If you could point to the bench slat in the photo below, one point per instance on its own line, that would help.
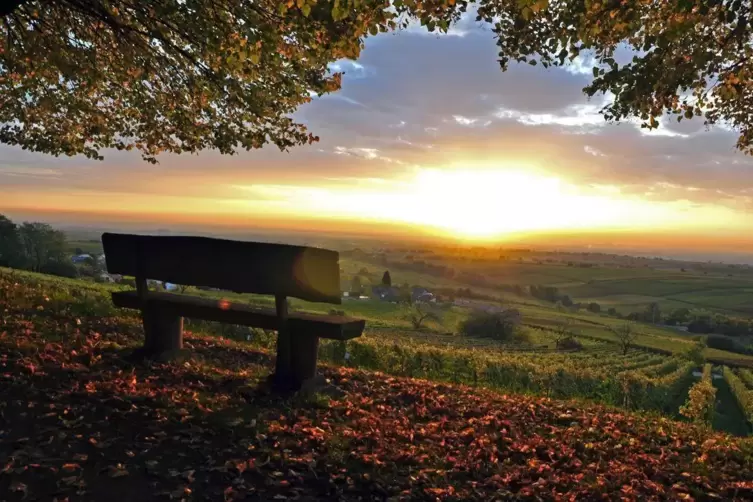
(209, 309)
(308, 273)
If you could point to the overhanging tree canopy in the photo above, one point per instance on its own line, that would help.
(80, 76)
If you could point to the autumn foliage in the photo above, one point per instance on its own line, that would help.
(82, 422)
(85, 76)
(701, 399)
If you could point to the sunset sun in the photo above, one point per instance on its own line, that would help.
(479, 203)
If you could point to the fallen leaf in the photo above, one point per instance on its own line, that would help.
(117, 471)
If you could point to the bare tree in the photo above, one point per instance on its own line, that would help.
(563, 331)
(626, 336)
(420, 312)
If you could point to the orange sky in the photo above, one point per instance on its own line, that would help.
(483, 203)
(411, 146)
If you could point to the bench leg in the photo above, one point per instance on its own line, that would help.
(302, 356)
(163, 332)
(303, 359)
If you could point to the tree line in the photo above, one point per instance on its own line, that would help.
(34, 246)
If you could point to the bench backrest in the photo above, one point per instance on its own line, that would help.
(307, 273)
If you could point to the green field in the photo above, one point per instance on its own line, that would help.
(86, 245)
(625, 283)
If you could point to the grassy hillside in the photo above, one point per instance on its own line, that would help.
(647, 378)
(627, 285)
(82, 422)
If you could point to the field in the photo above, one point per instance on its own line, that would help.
(653, 376)
(82, 421)
(622, 282)
(625, 283)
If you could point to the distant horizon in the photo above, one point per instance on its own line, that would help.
(636, 243)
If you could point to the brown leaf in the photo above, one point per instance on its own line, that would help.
(117, 471)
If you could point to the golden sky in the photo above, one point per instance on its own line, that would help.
(427, 136)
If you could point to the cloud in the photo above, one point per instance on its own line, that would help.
(351, 69)
(593, 151)
(29, 172)
(415, 98)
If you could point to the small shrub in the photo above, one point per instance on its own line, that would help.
(722, 342)
(336, 312)
(569, 343)
(497, 325)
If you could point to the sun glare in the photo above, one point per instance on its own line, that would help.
(480, 203)
(468, 201)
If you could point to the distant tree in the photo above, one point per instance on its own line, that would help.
(59, 268)
(41, 244)
(594, 307)
(420, 313)
(678, 316)
(612, 312)
(355, 285)
(567, 301)
(626, 336)
(386, 279)
(10, 245)
(79, 251)
(702, 324)
(653, 313)
(729, 344)
(497, 325)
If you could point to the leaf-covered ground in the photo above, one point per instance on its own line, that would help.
(78, 421)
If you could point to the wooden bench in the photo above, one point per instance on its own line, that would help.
(281, 270)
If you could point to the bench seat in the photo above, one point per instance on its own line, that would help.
(210, 309)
